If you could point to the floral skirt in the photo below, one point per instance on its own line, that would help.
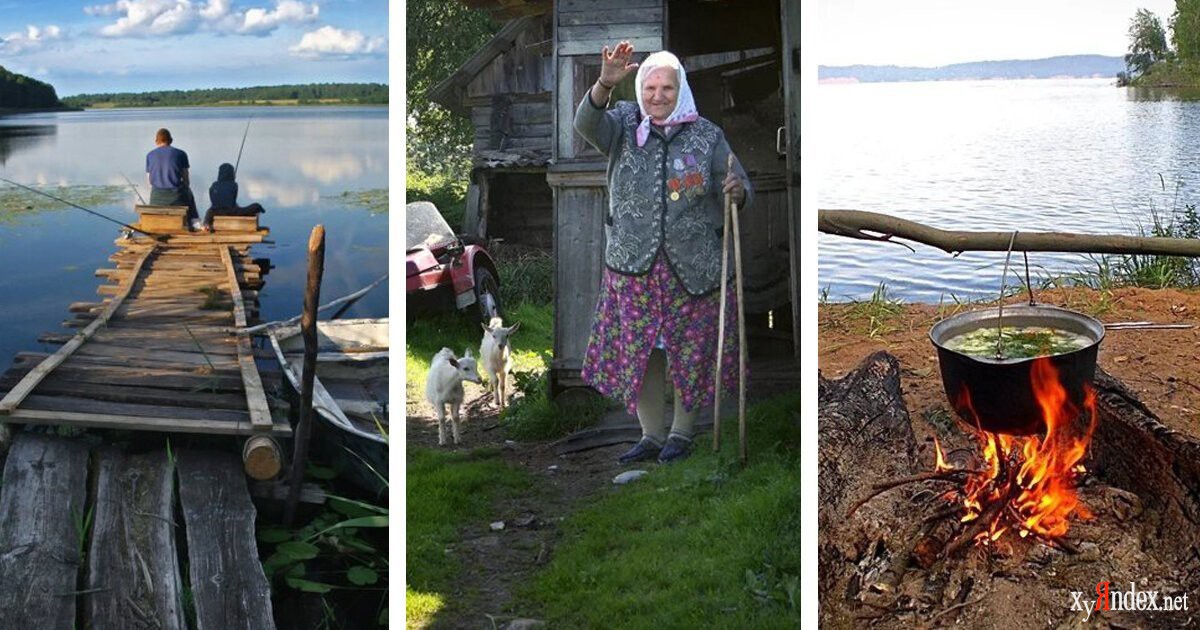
(637, 313)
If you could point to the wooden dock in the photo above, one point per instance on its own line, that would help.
(159, 352)
(90, 534)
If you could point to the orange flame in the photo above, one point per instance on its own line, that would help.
(1045, 499)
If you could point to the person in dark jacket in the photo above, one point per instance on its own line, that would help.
(167, 172)
(656, 320)
(222, 197)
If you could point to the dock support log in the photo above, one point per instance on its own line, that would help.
(308, 330)
(262, 458)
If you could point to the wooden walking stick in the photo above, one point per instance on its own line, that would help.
(741, 322)
(725, 236)
(731, 217)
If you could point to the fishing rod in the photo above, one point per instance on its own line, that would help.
(244, 134)
(75, 205)
(135, 190)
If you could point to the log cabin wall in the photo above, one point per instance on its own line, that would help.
(582, 28)
(510, 96)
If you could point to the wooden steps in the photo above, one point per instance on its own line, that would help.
(133, 576)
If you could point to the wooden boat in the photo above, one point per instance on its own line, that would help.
(350, 393)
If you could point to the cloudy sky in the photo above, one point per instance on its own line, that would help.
(940, 32)
(139, 45)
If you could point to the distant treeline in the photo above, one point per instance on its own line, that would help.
(310, 94)
(1052, 67)
(21, 92)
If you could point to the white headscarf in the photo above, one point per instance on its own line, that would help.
(685, 105)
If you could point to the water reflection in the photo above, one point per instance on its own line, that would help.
(50, 258)
(330, 168)
(16, 137)
(272, 193)
(1163, 94)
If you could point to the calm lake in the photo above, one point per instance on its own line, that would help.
(299, 162)
(1037, 155)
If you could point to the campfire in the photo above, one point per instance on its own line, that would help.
(994, 528)
(1022, 484)
(1027, 483)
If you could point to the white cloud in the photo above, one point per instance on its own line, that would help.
(145, 18)
(328, 41)
(262, 21)
(33, 38)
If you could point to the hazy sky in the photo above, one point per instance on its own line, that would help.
(940, 32)
(139, 45)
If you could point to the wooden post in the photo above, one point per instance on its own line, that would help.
(308, 330)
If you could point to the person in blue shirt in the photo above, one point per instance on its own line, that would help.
(167, 170)
(222, 196)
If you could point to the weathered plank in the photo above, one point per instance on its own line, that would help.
(143, 377)
(571, 6)
(85, 405)
(256, 400)
(610, 16)
(141, 423)
(18, 393)
(593, 46)
(229, 588)
(133, 578)
(41, 505)
(109, 392)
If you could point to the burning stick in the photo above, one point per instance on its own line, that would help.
(933, 475)
(994, 509)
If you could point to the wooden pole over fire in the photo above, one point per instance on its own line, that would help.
(873, 226)
(308, 331)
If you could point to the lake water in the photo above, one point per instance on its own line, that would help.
(1047, 155)
(298, 162)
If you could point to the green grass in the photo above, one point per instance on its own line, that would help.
(701, 543)
(878, 314)
(446, 491)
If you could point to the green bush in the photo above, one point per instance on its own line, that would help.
(447, 191)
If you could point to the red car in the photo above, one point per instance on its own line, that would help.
(444, 271)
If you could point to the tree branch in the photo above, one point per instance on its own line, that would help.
(874, 226)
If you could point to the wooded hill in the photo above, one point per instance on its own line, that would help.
(18, 91)
(1076, 66)
(309, 94)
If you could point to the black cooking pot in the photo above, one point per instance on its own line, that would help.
(1001, 392)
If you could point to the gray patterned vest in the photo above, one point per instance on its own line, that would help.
(667, 194)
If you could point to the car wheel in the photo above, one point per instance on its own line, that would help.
(487, 295)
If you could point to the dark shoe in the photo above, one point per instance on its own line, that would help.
(676, 448)
(645, 449)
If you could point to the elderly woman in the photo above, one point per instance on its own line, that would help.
(658, 309)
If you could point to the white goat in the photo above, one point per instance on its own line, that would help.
(443, 386)
(495, 353)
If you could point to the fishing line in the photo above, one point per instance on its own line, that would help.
(244, 134)
(75, 205)
(135, 190)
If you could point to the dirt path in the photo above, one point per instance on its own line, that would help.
(1159, 366)
(495, 563)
